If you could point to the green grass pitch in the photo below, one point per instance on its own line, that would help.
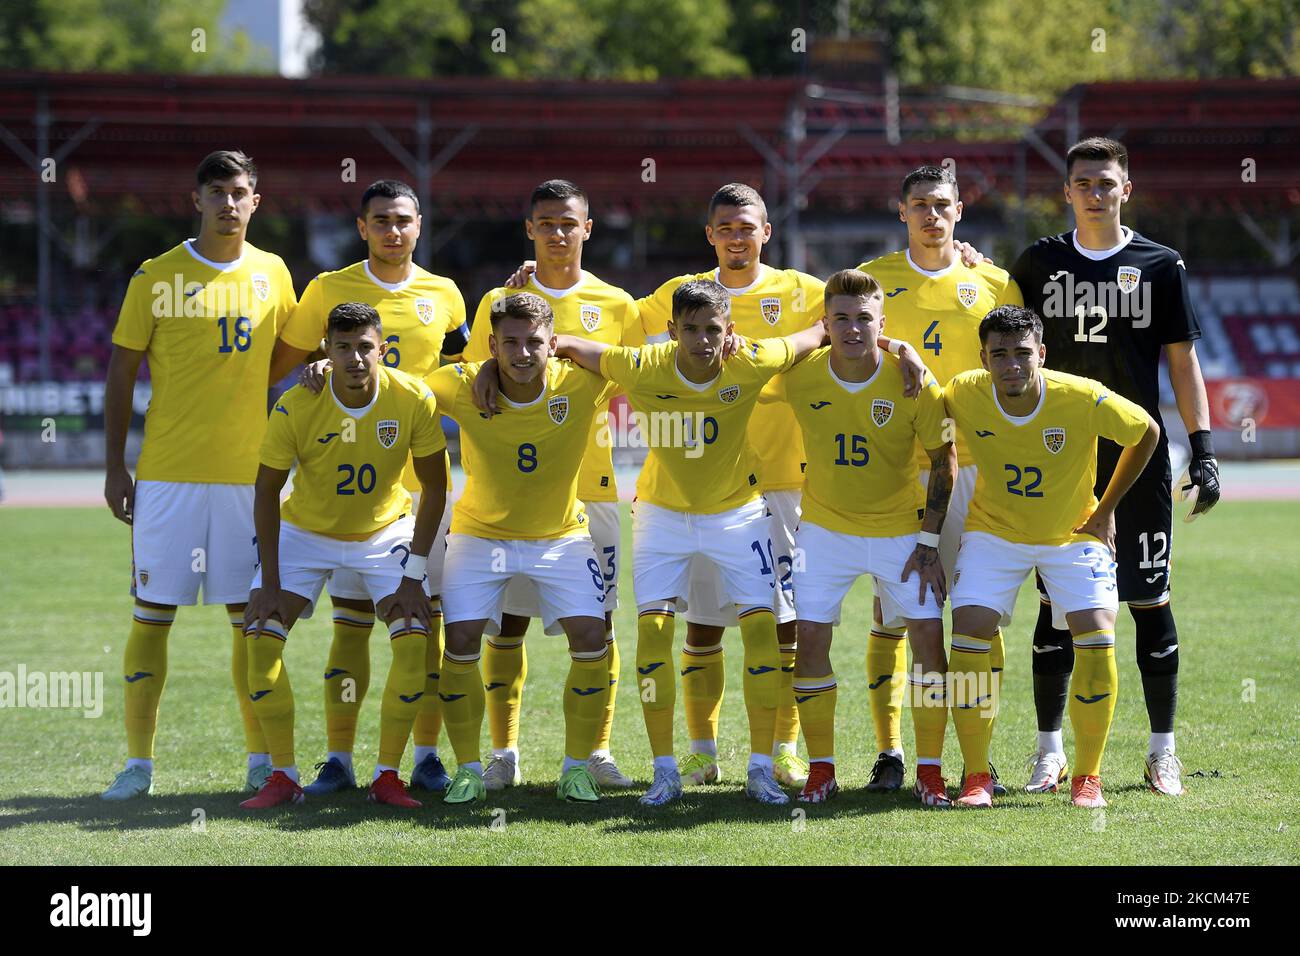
(63, 576)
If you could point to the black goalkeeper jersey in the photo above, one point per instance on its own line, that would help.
(1106, 315)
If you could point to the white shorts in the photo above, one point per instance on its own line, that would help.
(307, 559)
(568, 581)
(186, 534)
(1079, 575)
(348, 584)
(672, 549)
(955, 521)
(706, 586)
(833, 560)
(603, 523)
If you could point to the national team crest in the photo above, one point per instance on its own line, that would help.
(1054, 439)
(967, 293)
(144, 578)
(261, 286)
(882, 410)
(424, 310)
(387, 432)
(729, 394)
(771, 306)
(558, 408)
(1128, 278)
(590, 317)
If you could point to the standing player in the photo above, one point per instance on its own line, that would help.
(348, 509)
(206, 314)
(423, 317)
(935, 302)
(1033, 435)
(520, 516)
(559, 226)
(698, 496)
(1111, 299)
(861, 513)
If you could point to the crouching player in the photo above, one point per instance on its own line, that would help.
(520, 517)
(1032, 433)
(861, 513)
(348, 511)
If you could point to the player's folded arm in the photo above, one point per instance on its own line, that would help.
(580, 351)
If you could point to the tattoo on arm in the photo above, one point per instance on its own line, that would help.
(940, 490)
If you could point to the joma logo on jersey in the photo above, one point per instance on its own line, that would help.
(729, 394)
(386, 430)
(1054, 439)
(967, 293)
(589, 316)
(261, 285)
(424, 310)
(882, 410)
(558, 408)
(771, 307)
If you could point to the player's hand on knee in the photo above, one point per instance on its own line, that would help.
(519, 278)
(312, 376)
(409, 602)
(925, 564)
(970, 256)
(1101, 526)
(486, 388)
(119, 492)
(263, 605)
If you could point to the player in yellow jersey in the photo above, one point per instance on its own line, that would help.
(205, 315)
(863, 512)
(935, 300)
(424, 322)
(520, 517)
(698, 498)
(348, 509)
(1032, 433)
(559, 226)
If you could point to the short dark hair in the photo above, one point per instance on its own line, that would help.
(226, 164)
(697, 294)
(1011, 320)
(556, 189)
(388, 189)
(852, 282)
(1097, 148)
(353, 316)
(737, 194)
(522, 305)
(939, 175)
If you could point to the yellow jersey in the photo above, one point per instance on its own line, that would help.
(859, 438)
(1036, 472)
(207, 330)
(700, 460)
(939, 313)
(350, 460)
(419, 316)
(592, 309)
(521, 465)
(780, 302)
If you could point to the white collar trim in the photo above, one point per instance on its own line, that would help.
(694, 386)
(357, 413)
(1097, 255)
(219, 266)
(1023, 419)
(762, 274)
(855, 387)
(390, 286)
(559, 293)
(928, 273)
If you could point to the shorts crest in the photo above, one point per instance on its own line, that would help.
(1054, 439)
(558, 408)
(729, 394)
(424, 310)
(771, 306)
(144, 578)
(967, 293)
(590, 317)
(386, 430)
(1128, 278)
(261, 285)
(882, 410)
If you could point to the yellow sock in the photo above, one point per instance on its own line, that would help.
(272, 696)
(816, 697)
(997, 657)
(656, 683)
(886, 681)
(762, 676)
(971, 680)
(929, 714)
(586, 692)
(787, 711)
(612, 664)
(460, 688)
(428, 721)
(404, 690)
(144, 666)
(347, 677)
(1093, 689)
(703, 680)
(254, 741)
(505, 665)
